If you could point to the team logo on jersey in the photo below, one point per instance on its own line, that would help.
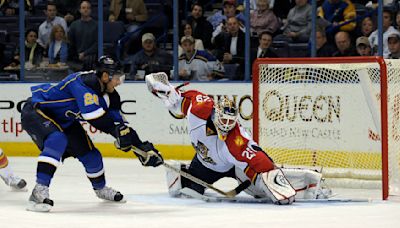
(239, 141)
(202, 150)
(47, 123)
(210, 131)
(74, 115)
(90, 99)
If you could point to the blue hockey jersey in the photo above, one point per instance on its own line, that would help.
(71, 100)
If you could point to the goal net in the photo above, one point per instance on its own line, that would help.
(341, 115)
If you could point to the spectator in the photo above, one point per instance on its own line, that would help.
(150, 59)
(398, 20)
(324, 48)
(387, 29)
(69, 10)
(367, 27)
(343, 44)
(363, 47)
(58, 48)
(187, 31)
(33, 51)
(46, 27)
(264, 48)
(338, 12)
(132, 12)
(298, 26)
(218, 20)
(202, 29)
(394, 46)
(82, 36)
(281, 7)
(263, 19)
(196, 64)
(230, 46)
(11, 7)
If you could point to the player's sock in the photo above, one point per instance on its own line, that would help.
(93, 163)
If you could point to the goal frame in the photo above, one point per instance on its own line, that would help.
(328, 60)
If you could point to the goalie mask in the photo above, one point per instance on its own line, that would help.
(225, 117)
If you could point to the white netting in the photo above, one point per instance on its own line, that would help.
(328, 115)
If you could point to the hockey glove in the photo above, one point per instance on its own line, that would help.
(126, 138)
(153, 157)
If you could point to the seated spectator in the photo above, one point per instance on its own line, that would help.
(264, 48)
(33, 51)
(324, 48)
(394, 46)
(69, 10)
(398, 20)
(343, 44)
(367, 26)
(281, 7)
(263, 19)
(197, 64)
(11, 7)
(187, 31)
(363, 47)
(150, 59)
(298, 24)
(219, 19)
(46, 27)
(339, 13)
(387, 29)
(82, 36)
(230, 46)
(201, 28)
(132, 12)
(58, 48)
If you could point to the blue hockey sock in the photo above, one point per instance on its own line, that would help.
(93, 163)
(49, 158)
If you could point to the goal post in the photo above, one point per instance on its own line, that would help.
(338, 114)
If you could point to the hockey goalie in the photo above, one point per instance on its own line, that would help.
(224, 149)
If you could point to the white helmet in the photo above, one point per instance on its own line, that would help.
(225, 116)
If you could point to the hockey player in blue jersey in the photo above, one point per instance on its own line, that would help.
(52, 118)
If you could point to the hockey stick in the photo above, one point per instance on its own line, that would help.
(229, 194)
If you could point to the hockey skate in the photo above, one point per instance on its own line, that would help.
(39, 200)
(16, 183)
(110, 194)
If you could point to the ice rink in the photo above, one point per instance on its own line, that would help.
(150, 206)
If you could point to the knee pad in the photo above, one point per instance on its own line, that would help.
(93, 162)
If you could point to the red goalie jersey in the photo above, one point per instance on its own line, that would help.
(236, 149)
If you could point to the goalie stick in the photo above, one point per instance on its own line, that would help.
(228, 194)
(238, 199)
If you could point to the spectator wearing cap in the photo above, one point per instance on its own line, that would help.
(197, 65)
(387, 29)
(394, 46)
(220, 18)
(201, 28)
(150, 59)
(82, 36)
(188, 31)
(363, 47)
(263, 19)
(343, 44)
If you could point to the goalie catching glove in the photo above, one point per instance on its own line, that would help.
(153, 156)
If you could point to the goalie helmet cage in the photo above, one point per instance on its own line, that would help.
(338, 114)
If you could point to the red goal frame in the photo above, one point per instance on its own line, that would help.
(327, 60)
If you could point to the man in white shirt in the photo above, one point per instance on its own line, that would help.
(46, 27)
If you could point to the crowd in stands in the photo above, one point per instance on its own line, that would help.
(211, 34)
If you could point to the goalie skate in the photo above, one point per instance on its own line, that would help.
(39, 200)
(110, 194)
(16, 183)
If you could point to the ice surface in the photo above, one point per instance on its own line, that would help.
(150, 206)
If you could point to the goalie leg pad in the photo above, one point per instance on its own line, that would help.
(174, 179)
(275, 186)
(307, 183)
